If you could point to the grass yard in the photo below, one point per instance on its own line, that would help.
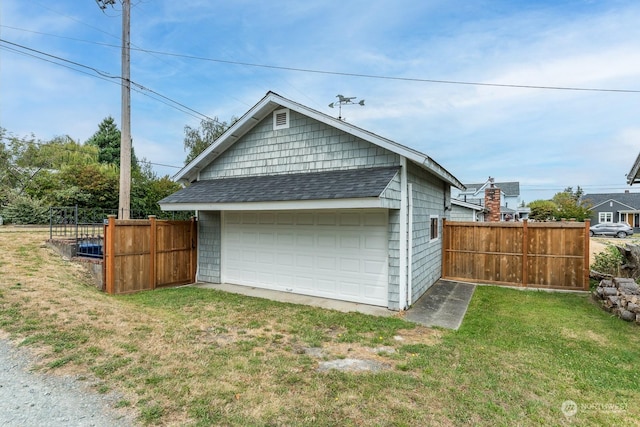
(201, 357)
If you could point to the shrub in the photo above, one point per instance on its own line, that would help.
(25, 210)
(608, 261)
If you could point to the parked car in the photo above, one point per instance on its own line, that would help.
(617, 229)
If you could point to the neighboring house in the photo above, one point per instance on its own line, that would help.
(294, 200)
(615, 207)
(464, 211)
(510, 202)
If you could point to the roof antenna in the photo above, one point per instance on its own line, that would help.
(345, 100)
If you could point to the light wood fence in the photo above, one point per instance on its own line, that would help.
(538, 255)
(147, 254)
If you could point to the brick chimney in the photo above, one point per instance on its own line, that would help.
(492, 202)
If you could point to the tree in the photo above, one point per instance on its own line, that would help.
(147, 189)
(566, 204)
(543, 210)
(107, 139)
(570, 205)
(196, 140)
(99, 181)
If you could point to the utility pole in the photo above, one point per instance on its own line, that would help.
(124, 204)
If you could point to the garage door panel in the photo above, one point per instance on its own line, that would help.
(336, 254)
(327, 241)
(305, 239)
(304, 262)
(374, 267)
(375, 242)
(375, 219)
(350, 265)
(374, 292)
(305, 218)
(326, 263)
(248, 218)
(265, 257)
(249, 238)
(326, 219)
(303, 283)
(350, 288)
(350, 241)
(284, 260)
(327, 287)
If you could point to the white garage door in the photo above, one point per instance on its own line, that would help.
(332, 254)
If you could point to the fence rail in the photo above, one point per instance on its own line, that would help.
(147, 254)
(541, 255)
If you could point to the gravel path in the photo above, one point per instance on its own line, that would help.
(34, 399)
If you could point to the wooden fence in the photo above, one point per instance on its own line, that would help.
(147, 254)
(539, 254)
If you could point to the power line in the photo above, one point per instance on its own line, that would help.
(105, 75)
(149, 95)
(350, 74)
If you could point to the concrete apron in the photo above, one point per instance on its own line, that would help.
(443, 305)
(330, 304)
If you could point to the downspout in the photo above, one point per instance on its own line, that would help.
(402, 297)
(196, 214)
(410, 249)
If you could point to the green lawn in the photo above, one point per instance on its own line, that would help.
(191, 356)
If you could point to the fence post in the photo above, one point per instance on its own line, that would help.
(587, 242)
(444, 248)
(110, 258)
(525, 252)
(152, 251)
(75, 219)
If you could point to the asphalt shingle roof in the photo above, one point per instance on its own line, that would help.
(340, 184)
(509, 188)
(629, 199)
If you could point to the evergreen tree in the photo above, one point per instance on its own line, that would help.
(107, 139)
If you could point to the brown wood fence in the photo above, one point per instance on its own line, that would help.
(539, 254)
(147, 254)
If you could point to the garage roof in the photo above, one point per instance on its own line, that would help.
(340, 184)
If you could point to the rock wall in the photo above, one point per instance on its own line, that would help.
(621, 297)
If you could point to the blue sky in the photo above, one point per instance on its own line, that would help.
(545, 139)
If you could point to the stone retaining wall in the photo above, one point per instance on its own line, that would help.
(621, 297)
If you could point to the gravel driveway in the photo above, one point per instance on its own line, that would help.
(35, 399)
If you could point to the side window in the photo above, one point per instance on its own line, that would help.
(605, 217)
(434, 227)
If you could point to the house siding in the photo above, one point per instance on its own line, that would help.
(209, 246)
(391, 195)
(394, 259)
(428, 199)
(306, 146)
(459, 213)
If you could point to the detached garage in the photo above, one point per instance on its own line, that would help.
(293, 200)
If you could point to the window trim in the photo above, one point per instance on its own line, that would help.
(433, 218)
(284, 125)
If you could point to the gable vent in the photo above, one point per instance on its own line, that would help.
(281, 119)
